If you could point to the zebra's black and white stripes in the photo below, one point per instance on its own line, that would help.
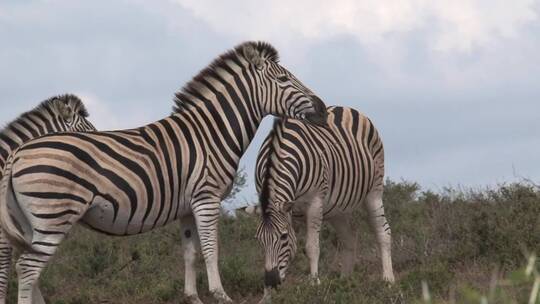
(320, 173)
(128, 182)
(57, 114)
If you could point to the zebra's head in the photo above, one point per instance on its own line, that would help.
(284, 95)
(278, 239)
(71, 111)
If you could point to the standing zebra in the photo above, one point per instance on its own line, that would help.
(56, 114)
(132, 181)
(320, 173)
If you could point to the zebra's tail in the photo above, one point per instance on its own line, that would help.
(13, 221)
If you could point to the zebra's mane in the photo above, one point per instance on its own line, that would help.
(69, 99)
(260, 49)
(51, 104)
(264, 198)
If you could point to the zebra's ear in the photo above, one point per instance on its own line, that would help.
(253, 56)
(65, 111)
(288, 206)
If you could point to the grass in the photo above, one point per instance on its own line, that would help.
(461, 246)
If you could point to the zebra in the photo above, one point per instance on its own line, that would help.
(319, 173)
(56, 114)
(131, 181)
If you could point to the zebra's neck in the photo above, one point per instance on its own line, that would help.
(282, 190)
(29, 125)
(228, 114)
(278, 191)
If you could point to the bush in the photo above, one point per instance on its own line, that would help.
(453, 240)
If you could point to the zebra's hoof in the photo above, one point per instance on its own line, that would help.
(267, 297)
(193, 299)
(389, 279)
(221, 297)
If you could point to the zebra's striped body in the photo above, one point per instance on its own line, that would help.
(131, 181)
(320, 173)
(57, 114)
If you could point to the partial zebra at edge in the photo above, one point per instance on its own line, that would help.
(61, 113)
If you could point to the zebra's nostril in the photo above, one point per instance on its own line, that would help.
(318, 104)
(271, 278)
(321, 104)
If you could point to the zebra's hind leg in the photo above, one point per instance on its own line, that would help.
(346, 236)
(6, 251)
(32, 261)
(190, 244)
(29, 267)
(314, 216)
(38, 298)
(381, 228)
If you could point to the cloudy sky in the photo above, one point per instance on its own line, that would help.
(453, 86)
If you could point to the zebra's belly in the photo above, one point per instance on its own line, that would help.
(103, 217)
(300, 213)
(331, 206)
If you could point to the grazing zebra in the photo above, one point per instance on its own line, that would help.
(320, 173)
(56, 114)
(132, 181)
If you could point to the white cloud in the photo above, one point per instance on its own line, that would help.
(105, 116)
(459, 25)
(451, 79)
(101, 115)
(469, 24)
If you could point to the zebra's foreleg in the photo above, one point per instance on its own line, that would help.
(346, 236)
(381, 228)
(206, 217)
(5, 266)
(190, 244)
(314, 217)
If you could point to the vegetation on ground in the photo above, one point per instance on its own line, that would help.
(452, 246)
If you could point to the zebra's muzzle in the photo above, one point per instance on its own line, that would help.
(271, 278)
(319, 115)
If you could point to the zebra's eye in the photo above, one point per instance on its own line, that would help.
(283, 78)
(284, 236)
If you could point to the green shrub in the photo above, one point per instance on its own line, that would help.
(453, 240)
